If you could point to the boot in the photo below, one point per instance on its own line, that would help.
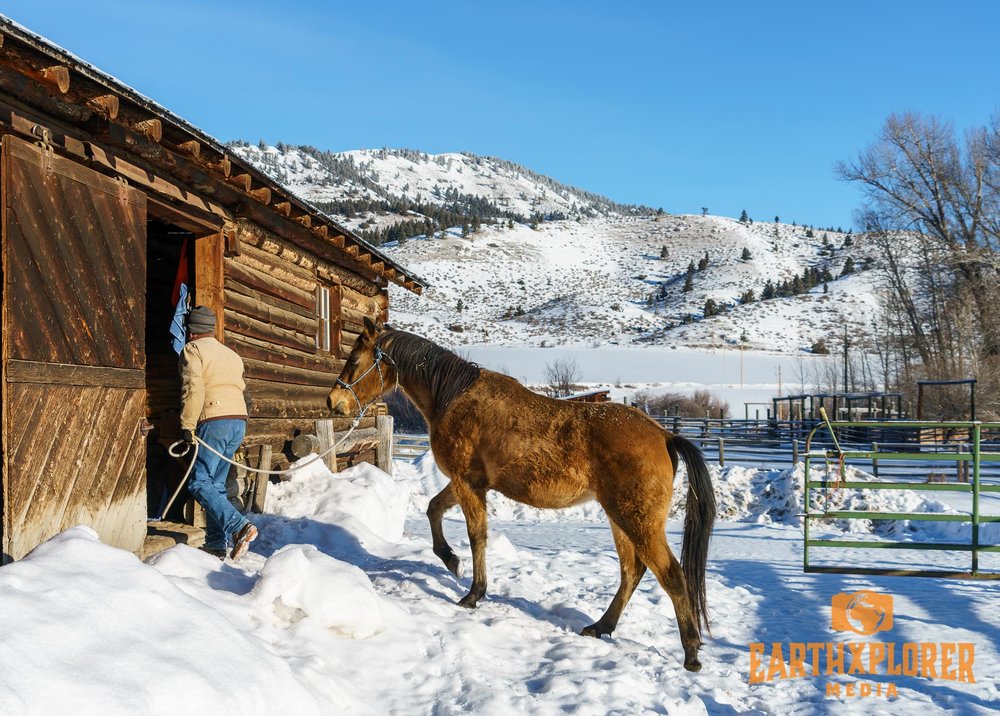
(242, 539)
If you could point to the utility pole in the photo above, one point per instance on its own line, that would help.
(845, 358)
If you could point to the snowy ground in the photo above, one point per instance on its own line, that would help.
(343, 607)
(587, 283)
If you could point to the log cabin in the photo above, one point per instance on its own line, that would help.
(108, 200)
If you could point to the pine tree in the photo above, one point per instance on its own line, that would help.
(745, 256)
(747, 297)
(768, 293)
(703, 262)
(777, 219)
(848, 267)
(848, 241)
(704, 210)
(460, 307)
(744, 217)
(689, 278)
(711, 308)
(510, 223)
(465, 230)
(664, 254)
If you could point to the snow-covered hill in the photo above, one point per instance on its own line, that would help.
(602, 273)
(389, 175)
(603, 281)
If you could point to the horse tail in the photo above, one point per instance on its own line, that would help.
(698, 521)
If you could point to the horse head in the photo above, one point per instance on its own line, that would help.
(367, 374)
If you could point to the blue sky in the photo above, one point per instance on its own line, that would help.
(728, 105)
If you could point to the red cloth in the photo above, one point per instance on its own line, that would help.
(182, 274)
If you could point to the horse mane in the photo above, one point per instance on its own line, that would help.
(417, 359)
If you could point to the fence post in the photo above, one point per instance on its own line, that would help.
(795, 452)
(261, 480)
(677, 425)
(976, 456)
(875, 460)
(722, 452)
(383, 453)
(327, 439)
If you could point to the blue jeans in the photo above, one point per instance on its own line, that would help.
(208, 483)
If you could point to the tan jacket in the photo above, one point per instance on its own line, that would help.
(211, 383)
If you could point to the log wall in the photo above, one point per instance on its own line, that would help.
(270, 320)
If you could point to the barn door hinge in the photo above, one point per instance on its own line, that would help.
(123, 189)
(44, 135)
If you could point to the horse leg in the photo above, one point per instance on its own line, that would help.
(654, 551)
(632, 570)
(441, 503)
(473, 504)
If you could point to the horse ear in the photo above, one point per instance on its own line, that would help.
(370, 327)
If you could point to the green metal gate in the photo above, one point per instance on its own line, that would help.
(974, 456)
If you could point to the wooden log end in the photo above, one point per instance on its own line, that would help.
(191, 148)
(57, 77)
(152, 129)
(105, 105)
(263, 195)
(240, 181)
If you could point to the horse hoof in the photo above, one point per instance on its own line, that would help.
(594, 631)
(469, 601)
(692, 665)
(454, 565)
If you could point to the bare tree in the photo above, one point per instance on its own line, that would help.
(932, 212)
(561, 375)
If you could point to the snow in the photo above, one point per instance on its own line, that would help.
(585, 280)
(342, 607)
(587, 283)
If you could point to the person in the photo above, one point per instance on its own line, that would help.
(214, 408)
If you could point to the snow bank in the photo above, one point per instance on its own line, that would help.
(91, 629)
(352, 514)
(299, 582)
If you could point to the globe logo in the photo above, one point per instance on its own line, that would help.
(862, 612)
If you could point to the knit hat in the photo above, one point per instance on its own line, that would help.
(201, 320)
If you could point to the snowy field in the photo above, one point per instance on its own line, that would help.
(736, 377)
(342, 607)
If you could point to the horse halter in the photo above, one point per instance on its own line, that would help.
(380, 355)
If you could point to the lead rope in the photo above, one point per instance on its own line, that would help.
(198, 442)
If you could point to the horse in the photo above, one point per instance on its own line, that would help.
(488, 432)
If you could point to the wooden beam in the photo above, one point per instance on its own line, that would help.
(152, 129)
(56, 77)
(191, 148)
(240, 181)
(379, 266)
(304, 219)
(105, 105)
(351, 250)
(283, 207)
(263, 195)
(338, 240)
(221, 166)
(320, 231)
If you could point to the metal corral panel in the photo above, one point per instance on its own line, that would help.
(74, 259)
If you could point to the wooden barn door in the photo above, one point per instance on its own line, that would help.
(74, 271)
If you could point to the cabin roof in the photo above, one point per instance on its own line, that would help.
(73, 81)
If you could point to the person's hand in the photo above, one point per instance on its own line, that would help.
(187, 436)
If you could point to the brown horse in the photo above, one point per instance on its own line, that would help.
(488, 432)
